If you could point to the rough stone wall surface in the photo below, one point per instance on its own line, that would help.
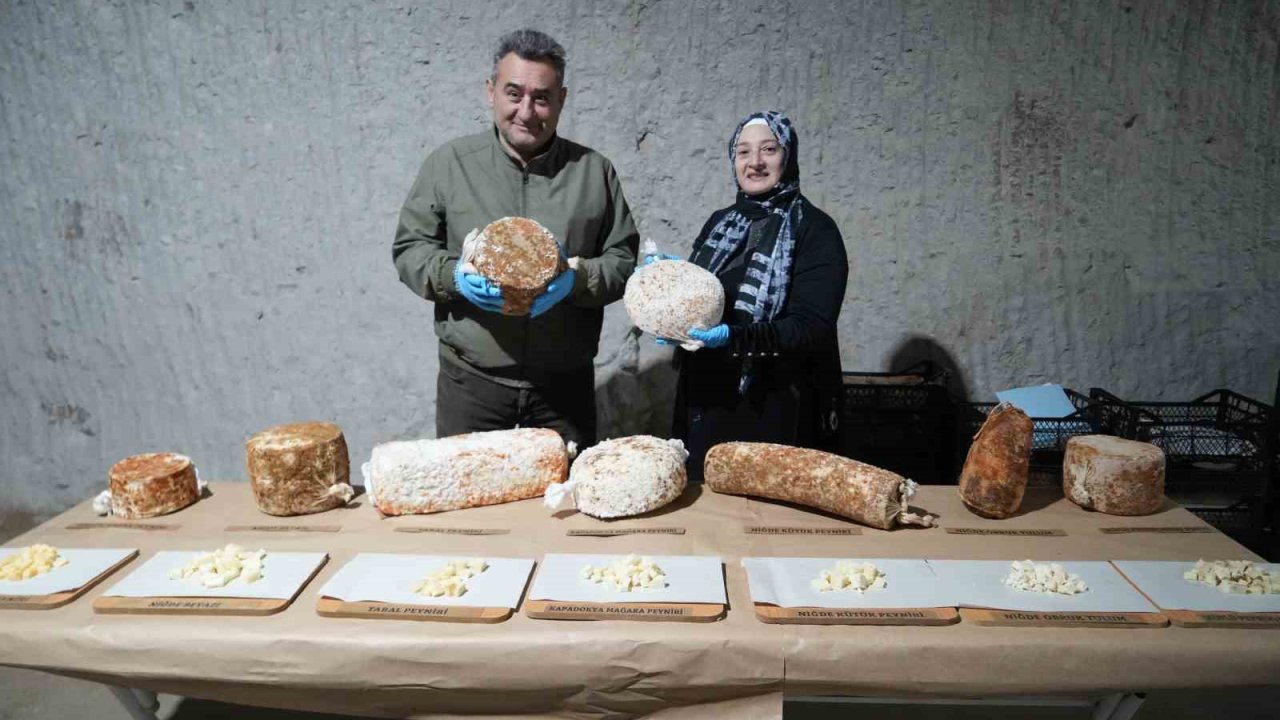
(198, 199)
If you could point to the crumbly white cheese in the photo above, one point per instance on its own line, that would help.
(627, 574)
(31, 561)
(1044, 578)
(451, 580)
(849, 575)
(1241, 577)
(223, 566)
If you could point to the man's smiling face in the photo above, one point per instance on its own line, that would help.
(526, 98)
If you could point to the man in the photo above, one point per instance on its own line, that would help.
(499, 371)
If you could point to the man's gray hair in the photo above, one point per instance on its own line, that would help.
(531, 45)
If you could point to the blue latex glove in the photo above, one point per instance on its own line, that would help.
(655, 257)
(556, 291)
(666, 341)
(716, 337)
(478, 290)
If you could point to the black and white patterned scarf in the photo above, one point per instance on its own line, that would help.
(763, 291)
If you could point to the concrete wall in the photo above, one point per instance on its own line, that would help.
(198, 199)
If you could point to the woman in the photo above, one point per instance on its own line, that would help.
(770, 371)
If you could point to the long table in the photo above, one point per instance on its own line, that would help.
(735, 667)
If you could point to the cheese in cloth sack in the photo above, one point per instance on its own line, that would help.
(518, 255)
(299, 468)
(148, 485)
(668, 297)
(858, 491)
(623, 477)
(995, 472)
(484, 468)
(1113, 476)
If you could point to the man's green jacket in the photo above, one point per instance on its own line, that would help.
(574, 192)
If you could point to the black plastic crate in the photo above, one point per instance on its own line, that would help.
(1217, 449)
(1243, 521)
(1221, 424)
(902, 421)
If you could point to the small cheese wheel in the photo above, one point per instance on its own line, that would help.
(1112, 475)
(521, 257)
(299, 468)
(668, 297)
(152, 484)
(998, 465)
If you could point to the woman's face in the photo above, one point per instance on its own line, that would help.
(757, 159)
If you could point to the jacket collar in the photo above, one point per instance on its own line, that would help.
(545, 163)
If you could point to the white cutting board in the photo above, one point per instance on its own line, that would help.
(1162, 581)
(785, 582)
(83, 565)
(283, 574)
(690, 579)
(387, 577)
(980, 584)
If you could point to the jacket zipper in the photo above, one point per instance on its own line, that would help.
(524, 339)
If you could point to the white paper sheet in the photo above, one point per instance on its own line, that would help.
(283, 574)
(690, 579)
(784, 581)
(980, 584)
(1039, 401)
(83, 565)
(1162, 581)
(388, 577)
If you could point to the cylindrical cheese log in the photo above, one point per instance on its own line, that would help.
(995, 473)
(299, 468)
(1114, 476)
(521, 257)
(855, 490)
(152, 484)
(667, 297)
(485, 468)
(628, 476)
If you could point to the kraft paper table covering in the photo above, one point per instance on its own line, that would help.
(298, 659)
(970, 660)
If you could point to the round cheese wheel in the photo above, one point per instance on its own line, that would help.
(152, 484)
(1112, 475)
(629, 476)
(520, 256)
(299, 468)
(667, 297)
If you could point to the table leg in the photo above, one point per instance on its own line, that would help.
(147, 699)
(131, 700)
(1119, 706)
